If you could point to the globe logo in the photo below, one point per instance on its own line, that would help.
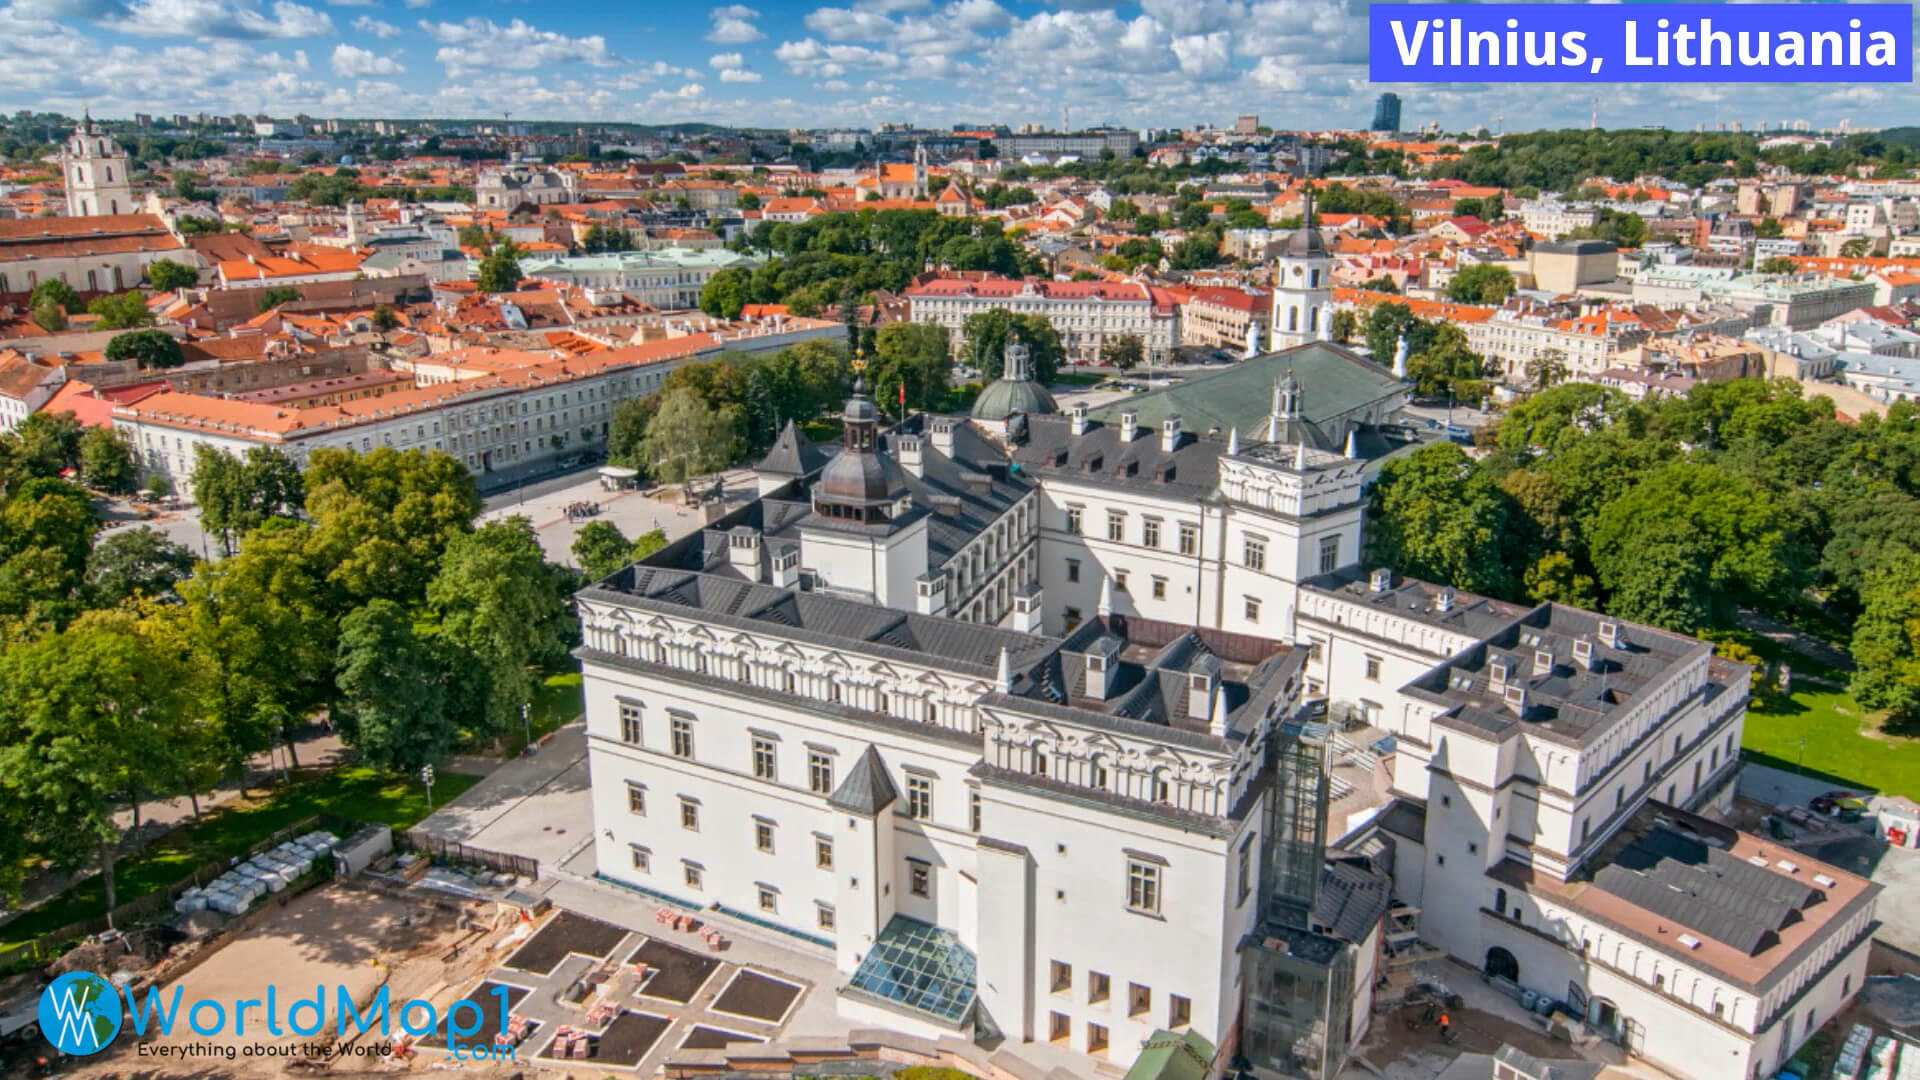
(79, 1013)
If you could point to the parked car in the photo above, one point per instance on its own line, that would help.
(1844, 805)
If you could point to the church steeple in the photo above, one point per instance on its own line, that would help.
(94, 170)
(856, 485)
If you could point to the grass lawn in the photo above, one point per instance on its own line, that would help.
(1843, 742)
(1069, 379)
(359, 793)
(557, 700)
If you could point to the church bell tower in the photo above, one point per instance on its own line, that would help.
(94, 169)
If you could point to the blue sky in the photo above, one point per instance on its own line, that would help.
(1297, 63)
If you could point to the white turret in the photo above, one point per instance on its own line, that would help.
(1004, 678)
(1352, 450)
(1106, 597)
(1400, 358)
(1233, 441)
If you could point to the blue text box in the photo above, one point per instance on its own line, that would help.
(1607, 43)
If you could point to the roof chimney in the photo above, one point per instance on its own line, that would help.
(1170, 434)
(1077, 418)
(1380, 580)
(1542, 662)
(1499, 670)
(1516, 699)
(1444, 602)
(1610, 634)
(1583, 652)
(1129, 425)
(906, 449)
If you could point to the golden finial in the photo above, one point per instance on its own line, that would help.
(859, 360)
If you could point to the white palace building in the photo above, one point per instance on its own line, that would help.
(1064, 730)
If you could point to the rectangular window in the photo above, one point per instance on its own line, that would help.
(973, 810)
(683, 736)
(692, 875)
(1373, 668)
(1189, 538)
(1096, 1038)
(1059, 1026)
(1150, 532)
(630, 723)
(1159, 588)
(689, 815)
(819, 772)
(1253, 609)
(763, 836)
(1116, 525)
(1073, 569)
(1119, 581)
(1073, 519)
(636, 799)
(919, 797)
(642, 858)
(1179, 1011)
(1071, 617)
(919, 878)
(1143, 887)
(765, 766)
(1329, 554)
(823, 916)
(823, 853)
(1061, 979)
(1139, 999)
(1254, 553)
(1246, 869)
(769, 899)
(1098, 987)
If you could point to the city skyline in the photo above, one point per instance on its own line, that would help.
(1296, 63)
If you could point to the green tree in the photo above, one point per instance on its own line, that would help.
(725, 293)
(1886, 644)
(1857, 248)
(47, 443)
(1721, 538)
(601, 548)
(383, 319)
(1386, 323)
(106, 461)
(133, 564)
(274, 297)
(56, 291)
(392, 700)
(120, 311)
(647, 543)
(384, 519)
(1198, 251)
(628, 428)
(1481, 283)
(988, 333)
(688, 437)
(166, 275)
(149, 349)
(48, 315)
(1446, 365)
(1124, 353)
(46, 533)
(237, 495)
(1549, 419)
(500, 269)
(749, 201)
(1778, 264)
(1434, 516)
(1345, 325)
(914, 356)
(1547, 368)
(88, 717)
(1768, 229)
(497, 598)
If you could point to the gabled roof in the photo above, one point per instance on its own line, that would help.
(867, 789)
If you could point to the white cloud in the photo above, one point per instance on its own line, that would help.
(215, 20)
(418, 3)
(733, 25)
(351, 3)
(367, 24)
(1274, 73)
(479, 44)
(736, 75)
(726, 61)
(350, 62)
(810, 57)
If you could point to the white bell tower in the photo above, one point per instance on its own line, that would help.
(1302, 285)
(95, 173)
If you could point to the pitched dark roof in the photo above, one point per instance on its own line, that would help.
(1352, 899)
(867, 788)
(793, 454)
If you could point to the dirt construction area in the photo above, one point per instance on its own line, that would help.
(336, 936)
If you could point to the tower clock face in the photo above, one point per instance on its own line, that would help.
(1296, 271)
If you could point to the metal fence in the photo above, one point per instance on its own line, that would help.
(49, 945)
(454, 851)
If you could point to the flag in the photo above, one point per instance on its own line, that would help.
(903, 393)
